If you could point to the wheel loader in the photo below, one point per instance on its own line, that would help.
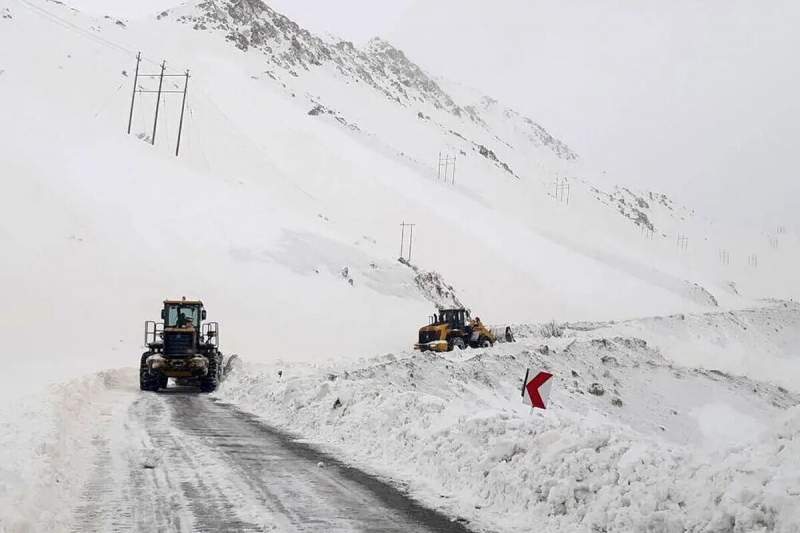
(183, 347)
(454, 328)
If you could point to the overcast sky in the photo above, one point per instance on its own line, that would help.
(694, 98)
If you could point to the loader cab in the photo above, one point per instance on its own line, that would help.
(182, 314)
(455, 318)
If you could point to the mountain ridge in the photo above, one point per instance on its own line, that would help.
(253, 24)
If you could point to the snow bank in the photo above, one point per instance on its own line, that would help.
(47, 449)
(762, 343)
(638, 457)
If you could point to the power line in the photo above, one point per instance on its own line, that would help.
(246, 137)
(198, 131)
(55, 19)
(107, 100)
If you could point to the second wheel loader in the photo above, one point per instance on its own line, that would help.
(454, 328)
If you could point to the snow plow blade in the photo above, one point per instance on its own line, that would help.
(503, 333)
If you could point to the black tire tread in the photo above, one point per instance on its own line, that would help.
(147, 382)
(210, 381)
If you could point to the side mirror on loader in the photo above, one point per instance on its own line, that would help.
(203, 314)
(163, 314)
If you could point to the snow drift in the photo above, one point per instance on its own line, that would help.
(48, 448)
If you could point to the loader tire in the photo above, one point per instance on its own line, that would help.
(458, 342)
(147, 381)
(210, 381)
(485, 343)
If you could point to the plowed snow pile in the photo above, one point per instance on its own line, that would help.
(631, 442)
(47, 444)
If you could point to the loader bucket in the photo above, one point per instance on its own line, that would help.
(503, 333)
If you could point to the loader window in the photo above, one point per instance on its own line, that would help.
(454, 317)
(180, 315)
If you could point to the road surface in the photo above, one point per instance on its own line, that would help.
(180, 461)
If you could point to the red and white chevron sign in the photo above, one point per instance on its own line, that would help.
(536, 391)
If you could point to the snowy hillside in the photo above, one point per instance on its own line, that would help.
(300, 159)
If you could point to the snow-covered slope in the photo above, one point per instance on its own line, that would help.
(301, 156)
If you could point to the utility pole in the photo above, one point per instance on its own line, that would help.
(133, 95)
(682, 242)
(402, 237)
(403, 240)
(562, 190)
(158, 101)
(183, 108)
(159, 93)
(443, 170)
(410, 242)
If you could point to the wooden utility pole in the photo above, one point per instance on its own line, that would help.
(562, 190)
(159, 93)
(133, 95)
(158, 101)
(403, 239)
(183, 108)
(410, 242)
(443, 171)
(682, 242)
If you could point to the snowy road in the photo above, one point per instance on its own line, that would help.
(179, 461)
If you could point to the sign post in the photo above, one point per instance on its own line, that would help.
(536, 391)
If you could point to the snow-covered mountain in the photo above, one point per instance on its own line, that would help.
(291, 50)
(301, 157)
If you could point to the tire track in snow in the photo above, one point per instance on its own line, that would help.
(183, 462)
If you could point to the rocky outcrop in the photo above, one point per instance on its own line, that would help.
(253, 25)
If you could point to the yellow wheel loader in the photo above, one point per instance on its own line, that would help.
(182, 347)
(454, 328)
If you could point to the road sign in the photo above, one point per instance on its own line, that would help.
(536, 391)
